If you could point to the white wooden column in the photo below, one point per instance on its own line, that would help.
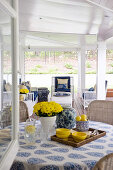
(101, 70)
(15, 89)
(1, 77)
(21, 63)
(81, 70)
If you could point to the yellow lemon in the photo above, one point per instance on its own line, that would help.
(83, 117)
(30, 129)
(78, 118)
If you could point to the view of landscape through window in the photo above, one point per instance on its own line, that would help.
(63, 62)
(51, 63)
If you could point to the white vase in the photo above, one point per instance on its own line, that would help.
(47, 125)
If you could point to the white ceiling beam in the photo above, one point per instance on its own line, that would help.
(107, 34)
(61, 19)
(4, 5)
(99, 6)
(68, 2)
(109, 46)
(51, 26)
(76, 13)
(66, 48)
(50, 49)
(71, 20)
(90, 24)
(39, 38)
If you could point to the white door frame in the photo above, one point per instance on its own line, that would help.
(12, 149)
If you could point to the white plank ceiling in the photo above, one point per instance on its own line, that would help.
(64, 23)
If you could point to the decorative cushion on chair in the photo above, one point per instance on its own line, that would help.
(109, 93)
(91, 89)
(62, 84)
(43, 94)
(59, 94)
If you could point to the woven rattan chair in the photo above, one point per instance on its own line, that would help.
(101, 111)
(6, 116)
(24, 115)
(105, 163)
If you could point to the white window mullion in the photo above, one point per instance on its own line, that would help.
(12, 149)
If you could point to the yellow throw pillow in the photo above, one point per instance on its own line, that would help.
(63, 81)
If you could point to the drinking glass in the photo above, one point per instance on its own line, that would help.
(30, 131)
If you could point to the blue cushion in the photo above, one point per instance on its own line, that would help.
(91, 89)
(67, 88)
(61, 86)
(35, 94)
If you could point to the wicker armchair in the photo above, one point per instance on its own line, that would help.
(101, 110)
(6, 116)
(24, 115)
(105, 163)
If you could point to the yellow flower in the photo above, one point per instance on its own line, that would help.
(47, 108)
(24, 91)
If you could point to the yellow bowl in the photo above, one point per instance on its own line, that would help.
(79, 136)
(63, 131)
(62, 136)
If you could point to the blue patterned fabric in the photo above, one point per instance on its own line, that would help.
(82, 126)
(72, 166)
(66, 119)
(62, 87)
(43, 94)
(35, 94)
(55, 156)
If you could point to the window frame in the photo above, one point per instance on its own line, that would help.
(12, 149)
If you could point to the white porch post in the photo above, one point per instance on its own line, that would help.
(81, 70)
(101, 70)
(21, 63)
(15, 90)
(1, 76)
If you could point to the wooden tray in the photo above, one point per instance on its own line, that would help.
(71, 142)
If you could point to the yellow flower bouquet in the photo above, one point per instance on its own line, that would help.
(24, 91)
(47, 109)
